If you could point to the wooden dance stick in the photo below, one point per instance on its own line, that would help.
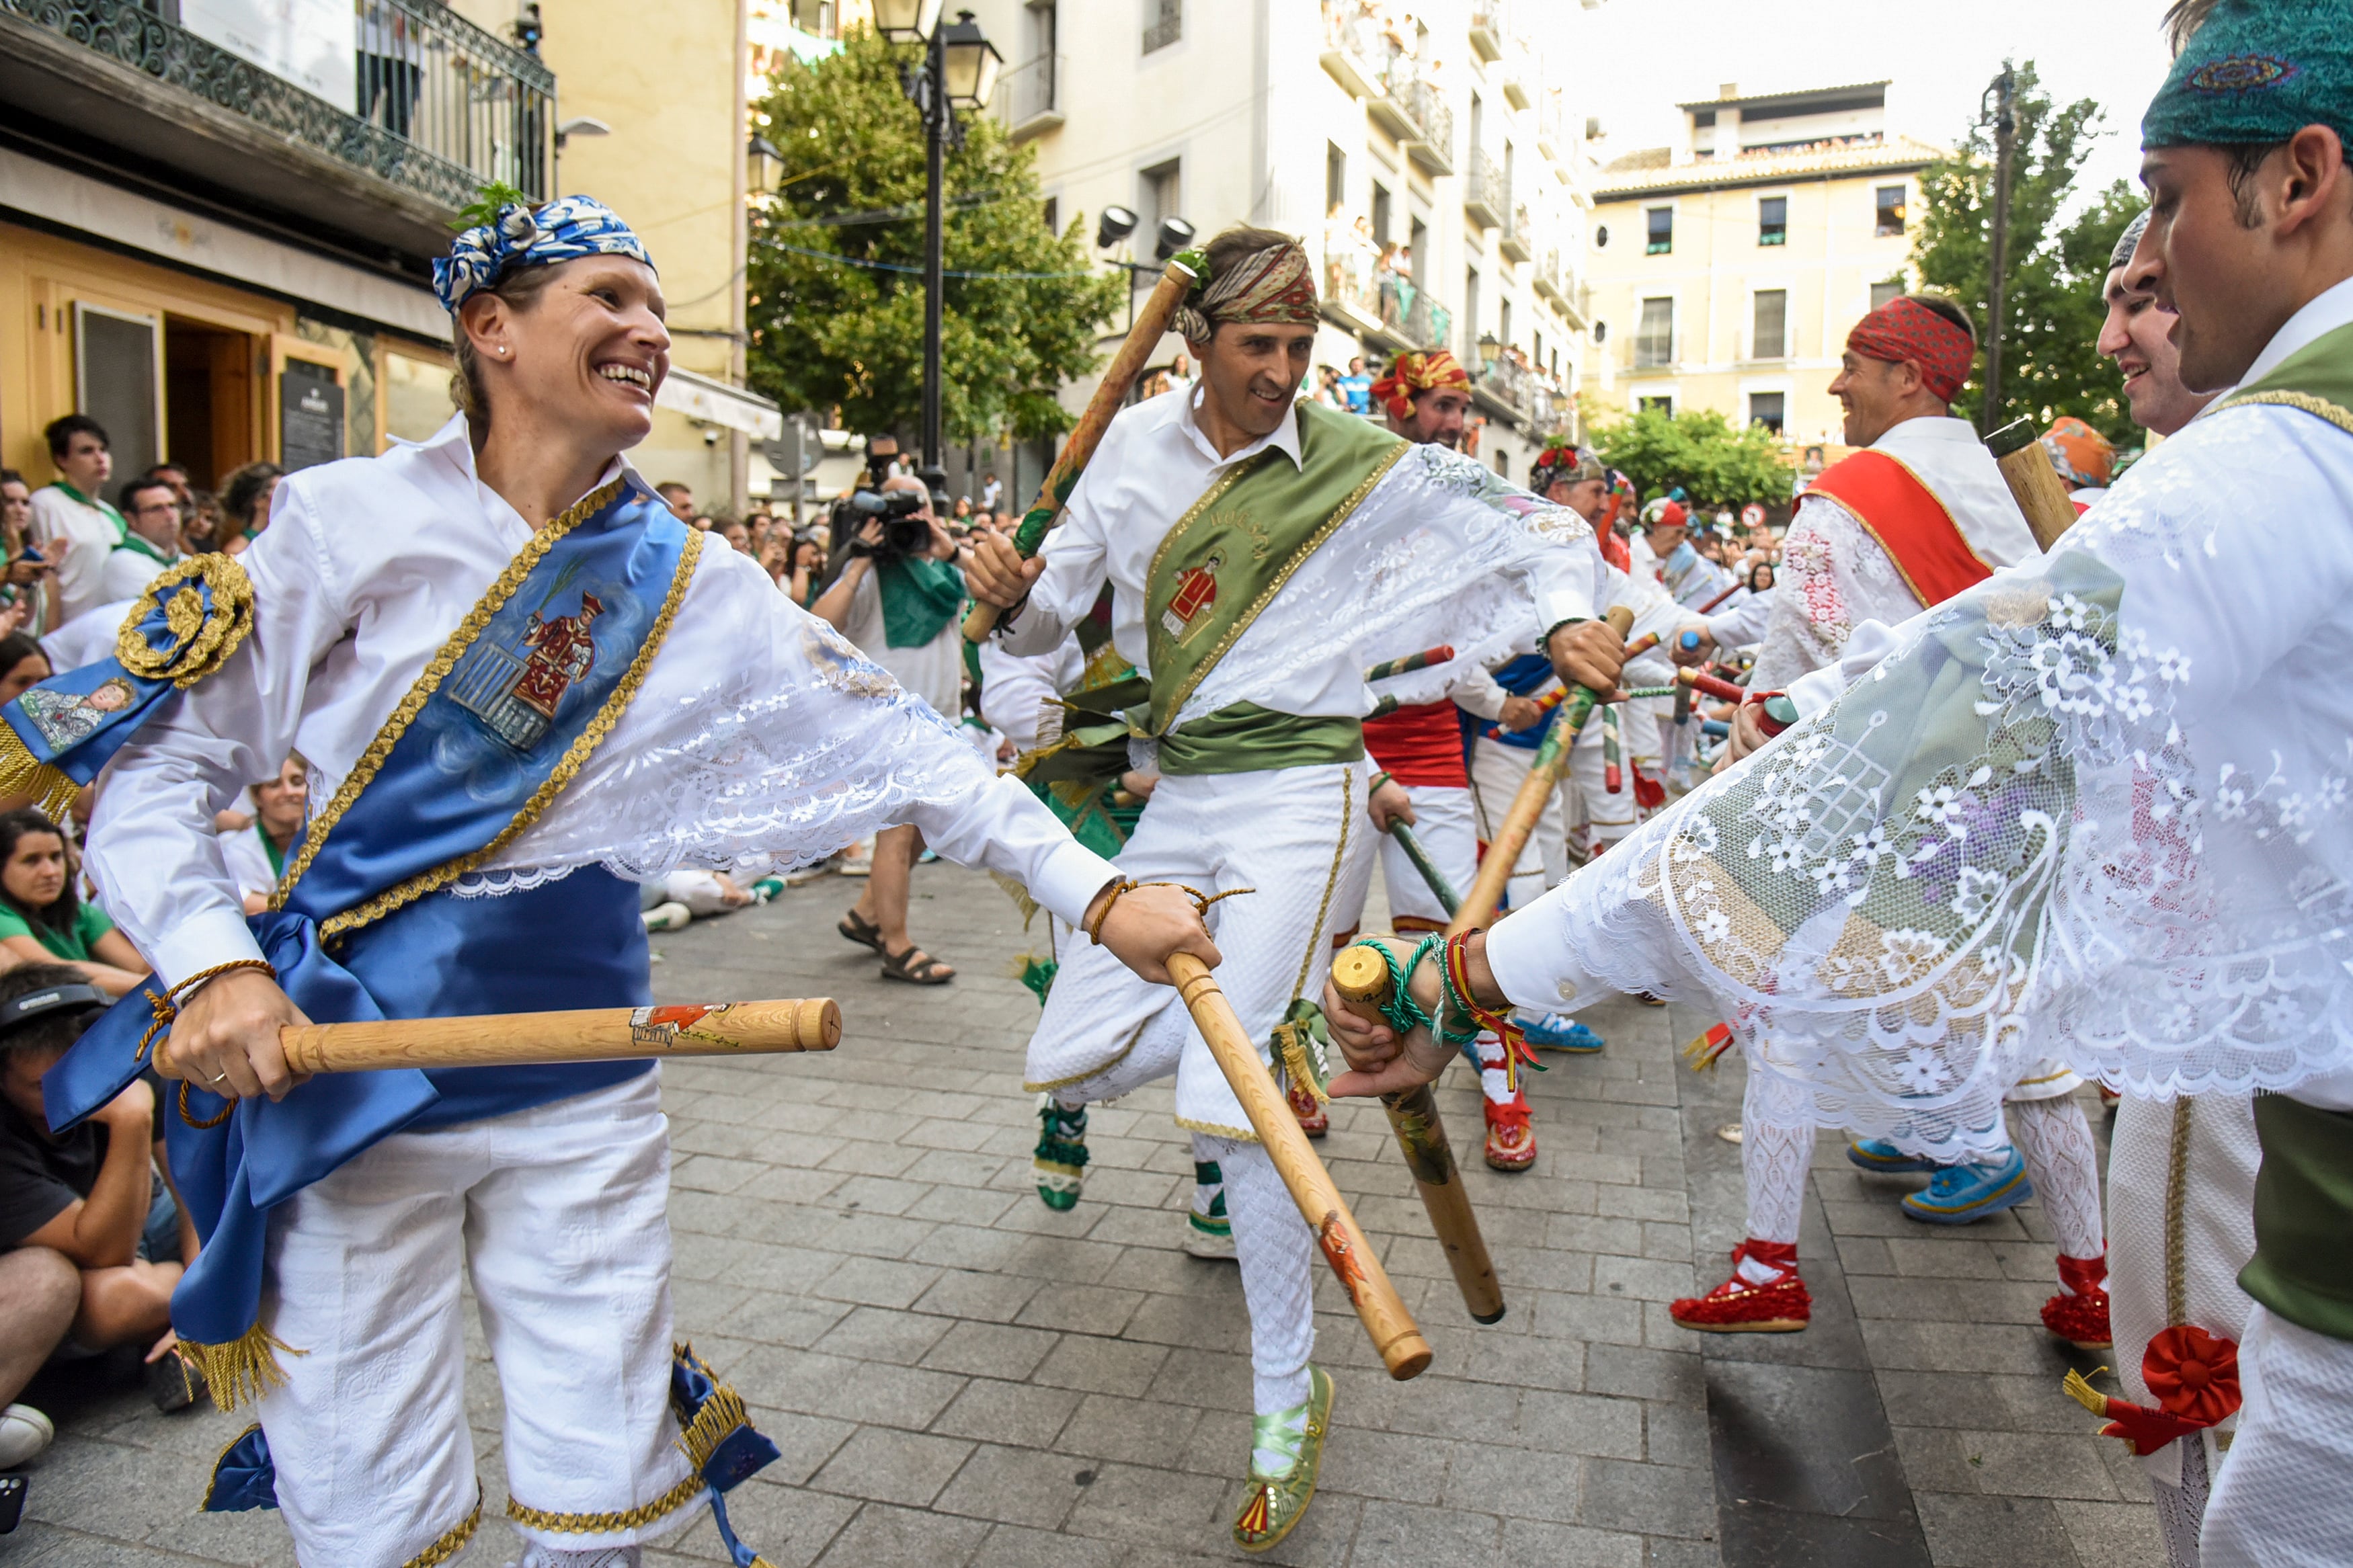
(1709, 608)
(2034, 483)
(1362, 979)
(1712, 685)
(1409, 663)
(1544, 777)
(1377, 1304)
(1177, 281)
(1439, 887)
(591, 1034)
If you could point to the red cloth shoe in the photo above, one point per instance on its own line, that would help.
(1312, 1118)
(1510, 1136)
(2081, 1317)
(1738, 1307)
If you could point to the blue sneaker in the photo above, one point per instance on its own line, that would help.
(1960, 1193)
(1879, 1154)
(1554, 1033)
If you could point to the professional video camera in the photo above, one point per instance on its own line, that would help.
(904, 533)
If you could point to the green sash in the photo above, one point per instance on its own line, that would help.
(2317, 378)
(920, 596)
(2304, 1207)
(1227, 557)
(1246, 738)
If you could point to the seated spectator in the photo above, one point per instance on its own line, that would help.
(43, 919)
(255, 850)
(200, 528)
(245, 497)
(152, 542)
(91, 1196)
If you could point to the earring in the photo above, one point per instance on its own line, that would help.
(503, 351)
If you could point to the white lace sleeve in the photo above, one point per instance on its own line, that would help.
(2094, 808)
(760, 732)
(1833, 573)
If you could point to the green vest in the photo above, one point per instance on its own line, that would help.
(2303, 1268)
(1223, 562)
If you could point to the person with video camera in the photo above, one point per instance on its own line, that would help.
(898, 597)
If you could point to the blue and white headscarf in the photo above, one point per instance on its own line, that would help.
(563, 230)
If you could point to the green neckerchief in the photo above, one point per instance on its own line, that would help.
(134, 543)
(1225, 558)
(269, 848)
(2317, 378)
(919, 597)
(112, 516)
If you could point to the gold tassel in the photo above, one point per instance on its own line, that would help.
(23, 774)
(2083, 1394)
(241, 1371)
(1291, 1044)
(1020, 895)
(721, 1414)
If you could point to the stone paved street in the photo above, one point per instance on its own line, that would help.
(957, 1376)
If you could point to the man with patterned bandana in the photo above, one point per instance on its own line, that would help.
(2146, 878)
(1262, 553)
(494, 794)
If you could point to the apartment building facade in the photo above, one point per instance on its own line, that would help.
(1729, 268)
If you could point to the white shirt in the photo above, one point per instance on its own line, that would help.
(87, 639)
(1438, 526)
(248, 860)
(127, 572)
(1743, 620)
(934, 672)
(1015, 690)
(758, 731)
(1834, 576)
(77, 537)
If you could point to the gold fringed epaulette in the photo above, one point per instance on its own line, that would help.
(241, 1371)
(721, 1414)
(22, 774)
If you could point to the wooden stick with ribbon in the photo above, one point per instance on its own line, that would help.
(1382, 1310)
(1544, 777)
(1176, 280)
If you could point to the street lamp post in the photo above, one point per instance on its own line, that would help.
(958, 71)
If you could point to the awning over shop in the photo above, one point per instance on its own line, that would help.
(716, 403)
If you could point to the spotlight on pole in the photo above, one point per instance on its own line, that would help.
(1175, 235)
(1115, 225)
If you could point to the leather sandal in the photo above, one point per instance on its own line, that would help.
(913, 965)
(861, 929)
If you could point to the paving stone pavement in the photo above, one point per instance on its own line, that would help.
(959, 1378)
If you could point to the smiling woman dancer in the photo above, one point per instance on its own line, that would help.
(523, 687)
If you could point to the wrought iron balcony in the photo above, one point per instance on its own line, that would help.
(1491, 28)
(1030, 96)
(1434, 148)
(1517, 241)
(1486, 199)
(436, 107)
(1363, 296)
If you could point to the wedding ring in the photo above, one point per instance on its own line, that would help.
(220, 1078)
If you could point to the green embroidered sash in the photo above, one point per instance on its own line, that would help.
(2304, 1202)
(2317, 378)
(1247, 738)
(1226, 558)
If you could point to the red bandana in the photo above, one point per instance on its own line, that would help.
(1412, 373)
(1904, 328)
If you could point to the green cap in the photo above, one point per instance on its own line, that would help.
(2258, 71)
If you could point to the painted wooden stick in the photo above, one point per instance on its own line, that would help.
(591, 1034)
(1409, 663)
(1709, 608)
(1712, 685)
(1361, 979)
(1177, 281)
(1439, 887)
(1383, 1312)
(1613, 771)
(1544, 777)
(2034, 483)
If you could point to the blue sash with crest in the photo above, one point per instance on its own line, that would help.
(365, 924)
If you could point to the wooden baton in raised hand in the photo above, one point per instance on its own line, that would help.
(2034, 483)
(1177, 281)
(1544, 777)
(590, 1034)
(1383, 1312)
(1361, 979)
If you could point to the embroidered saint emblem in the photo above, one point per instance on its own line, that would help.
(1196, 596)
(514, 689)
(66, 718)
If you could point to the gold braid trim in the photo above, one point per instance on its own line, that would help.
(212, 1476)
(670, 1501)
(2177, 1190)
(2318, 407)
(575, 758)
(241, 1371)
(435, 671)
(454, 1539)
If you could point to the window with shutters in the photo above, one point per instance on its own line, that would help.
(1770, 338)
(1662, 231)
(1654, 340)
(1764, 408)
(1773, 220)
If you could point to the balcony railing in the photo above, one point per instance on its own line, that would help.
(1551, 126)
(1491, 28)
(1433, 147)
(1487, 198)
(1030, 96)
(440, 106)
(1518, 239)
(1385, 302)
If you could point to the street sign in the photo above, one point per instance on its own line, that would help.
(1752, 516)
(798, 452)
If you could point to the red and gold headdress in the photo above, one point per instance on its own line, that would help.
(1415, 373)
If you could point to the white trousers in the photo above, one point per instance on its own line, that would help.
(559, 1215)
(1498, 770)
(2285, 1496)
(1447, 828)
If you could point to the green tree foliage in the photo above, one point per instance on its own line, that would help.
(2052, 307)
(1716, 464)
(826, 334)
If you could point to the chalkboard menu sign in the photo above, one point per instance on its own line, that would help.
(310, 415)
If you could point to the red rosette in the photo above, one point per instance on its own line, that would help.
(2194, 1375)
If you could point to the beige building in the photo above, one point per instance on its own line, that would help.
(1418, 149)
(1729, 268)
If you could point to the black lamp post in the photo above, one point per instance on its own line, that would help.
(959, 71)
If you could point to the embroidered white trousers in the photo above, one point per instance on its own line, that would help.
(2285, 1496)
(1497, 771)
(1448, 828)
(558, 1215)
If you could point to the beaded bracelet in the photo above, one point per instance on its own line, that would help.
(1201, 901)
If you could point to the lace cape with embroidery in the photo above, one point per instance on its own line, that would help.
(2094, 808)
